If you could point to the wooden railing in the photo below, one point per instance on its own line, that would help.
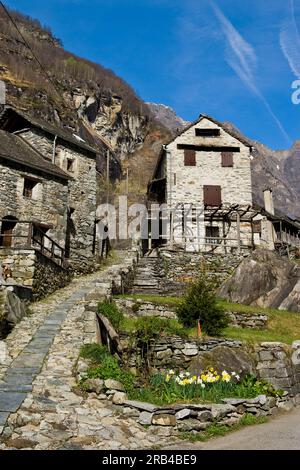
(29, 235)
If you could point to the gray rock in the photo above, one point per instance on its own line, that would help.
(114, 385)
(145, 418)
(182, 414)
(141, 405)
(220, 411)
(205, 416)
(94, 385)
(191, 425)
(119, 398)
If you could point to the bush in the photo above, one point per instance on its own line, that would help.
(112, 313)
(147, 328)
(94, 352)
(201, 303)
(109, 368)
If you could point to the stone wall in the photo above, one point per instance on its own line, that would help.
(142, 308)
(181, 267)
(48, 204)
(134, 307)
(48, 277)
(82, 196)
(279, 364)
(31, 269)
(21, 264)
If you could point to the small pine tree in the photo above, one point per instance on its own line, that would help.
(200, 303)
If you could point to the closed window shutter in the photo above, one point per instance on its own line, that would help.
(227, 159)
(212, 195)
(189, 157)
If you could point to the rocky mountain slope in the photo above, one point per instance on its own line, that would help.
(78, 95)
(167, 116)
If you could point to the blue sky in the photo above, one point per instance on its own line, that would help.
(233, 59)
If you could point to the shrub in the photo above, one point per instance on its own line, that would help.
(109, 368)
(95, 352)
(147, 328)
(201, 303)
(111, 312)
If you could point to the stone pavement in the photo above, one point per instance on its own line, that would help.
(40, 407)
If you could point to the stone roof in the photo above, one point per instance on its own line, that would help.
(15, 149)
(62, 133)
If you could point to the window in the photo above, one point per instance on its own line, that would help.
(175, 179)
(227, 159)
(212, 235)
(29, 184)
(212, 195)
(207, 132)
(70, 165)
(189, 157)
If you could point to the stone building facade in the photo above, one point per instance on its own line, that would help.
(204, 179)
(75, 210)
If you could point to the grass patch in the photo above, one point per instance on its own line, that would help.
(283, 326)
(218, 430)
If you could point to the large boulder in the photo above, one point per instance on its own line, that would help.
(12, 310)
(264, 279)
(224, 358)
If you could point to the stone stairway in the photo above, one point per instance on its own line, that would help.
(147, 277)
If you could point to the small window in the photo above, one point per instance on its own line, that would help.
(227, 159)
(175, 179)
(212, 235)
(70, 165)
(189, 157)
(212, 195)
(256, 224)
(207, 132)
(29, 184)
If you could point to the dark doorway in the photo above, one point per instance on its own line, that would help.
(7, 226)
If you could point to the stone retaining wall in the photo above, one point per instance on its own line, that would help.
(133, 307)
(190, 417)
(48, 277)
(180, 267)
(33, 270)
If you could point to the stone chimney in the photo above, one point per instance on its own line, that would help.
(268, 199)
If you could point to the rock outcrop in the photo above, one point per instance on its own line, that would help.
(12, 310)
(266, 280)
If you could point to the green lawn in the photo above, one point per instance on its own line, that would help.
(283, 326)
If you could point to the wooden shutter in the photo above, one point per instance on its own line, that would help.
(212, 195)
(227, 159)
(189, 157)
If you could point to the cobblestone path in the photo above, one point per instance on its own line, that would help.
(40, 407)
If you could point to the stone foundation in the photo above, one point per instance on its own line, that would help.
(32, 270)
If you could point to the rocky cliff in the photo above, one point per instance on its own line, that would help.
(79, 95)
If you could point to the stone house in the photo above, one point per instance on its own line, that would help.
(203, 178)
(77, 159)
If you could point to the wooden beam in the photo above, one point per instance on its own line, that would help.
(207, 148)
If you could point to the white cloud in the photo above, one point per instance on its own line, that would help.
(241, 57)
(290, 41)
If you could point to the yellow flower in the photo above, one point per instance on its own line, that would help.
(168, 378)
